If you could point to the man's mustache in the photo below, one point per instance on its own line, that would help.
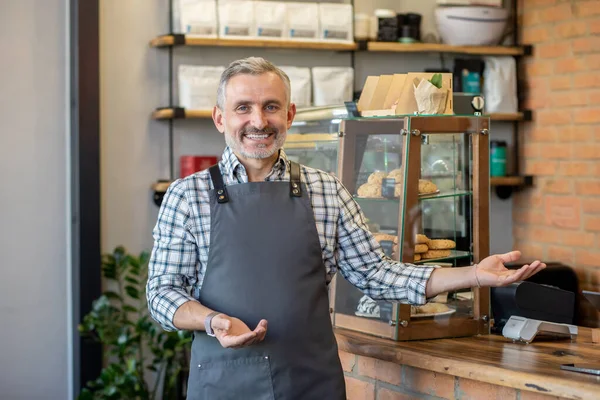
(255, 131)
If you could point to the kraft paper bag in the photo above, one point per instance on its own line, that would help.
(430, 99)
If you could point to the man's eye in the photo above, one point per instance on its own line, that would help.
(272, 107)
(242, 109)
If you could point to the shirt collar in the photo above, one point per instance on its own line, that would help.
(234, 170)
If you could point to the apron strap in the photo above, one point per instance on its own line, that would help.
(217, 179)
(295, 188)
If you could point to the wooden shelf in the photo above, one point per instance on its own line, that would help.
(182, 40)
(173, 113)
(389, 47)
(510, 180)
(445, 48)
(520, 116)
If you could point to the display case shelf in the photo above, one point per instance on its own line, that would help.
(454, 255)
(167, 113)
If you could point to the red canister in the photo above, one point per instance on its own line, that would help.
(192, 164)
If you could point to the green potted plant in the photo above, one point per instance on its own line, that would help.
(142, 361)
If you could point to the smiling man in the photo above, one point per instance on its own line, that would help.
(257, 238)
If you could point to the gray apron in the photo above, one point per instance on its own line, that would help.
(265, 261)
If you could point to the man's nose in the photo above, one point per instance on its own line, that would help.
(259, 119)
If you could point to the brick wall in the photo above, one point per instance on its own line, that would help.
(559, 219)
(371, 379)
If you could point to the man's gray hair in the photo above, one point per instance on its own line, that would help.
(249, 66)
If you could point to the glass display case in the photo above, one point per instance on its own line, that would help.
(313, 138)
(423, 184)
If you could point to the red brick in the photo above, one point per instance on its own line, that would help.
(529, 19)
(526, 395)
(592, 223)
(553, 117)
(559, 12)
(359, 390)
(588, 187)
(541, 167)
(553, 50)
(587, 258)
(593, 60)
(533, 217)
(528, 199)
(587, 8)
(569, 65)
(554, 151)
(586, 80)
(586, 151)
(545, 234)
(533, 4)
(533, 35)
(587, 116)
(571, 29)
(470, 389)
(591, 206)
(348, 361)
(535, 133)
(428, 382)
(586, 45)
(558, 186)
(539, 68)
(387, 394)
(561, 82)
(529, 251)
(559, 253)
(575, 168)
(575, 133)
(380, 370)
(531, 150)
(563, 212)
(578, 239)
(593, 97)
(595, 26)
(569, 98)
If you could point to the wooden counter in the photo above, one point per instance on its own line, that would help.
(492, 359)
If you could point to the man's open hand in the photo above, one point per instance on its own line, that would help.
(492, 272)
(233, 333)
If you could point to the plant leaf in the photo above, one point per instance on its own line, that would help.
(436, 80)
(132, 292)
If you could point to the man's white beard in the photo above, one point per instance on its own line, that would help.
(259, 151)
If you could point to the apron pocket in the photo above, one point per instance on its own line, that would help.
(241, 378)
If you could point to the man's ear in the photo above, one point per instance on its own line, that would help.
(218, 117)
(291, 113)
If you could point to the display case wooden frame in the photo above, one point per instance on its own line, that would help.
(411, 127)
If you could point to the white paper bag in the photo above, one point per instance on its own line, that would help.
(236, 19)
(300, 82)
(302, 21)
(332, 85)
(335, 22)
(500, 85)
(196, 18)
(198, 86)
(269, 19)
(430, 99)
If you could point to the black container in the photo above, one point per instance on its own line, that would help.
(387, 29)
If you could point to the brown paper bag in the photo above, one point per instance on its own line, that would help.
(430, 99)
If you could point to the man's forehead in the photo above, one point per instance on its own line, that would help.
(253, 85)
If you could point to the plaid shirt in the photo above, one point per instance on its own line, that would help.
(179, 257)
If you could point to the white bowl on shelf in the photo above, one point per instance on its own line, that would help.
(471, 25)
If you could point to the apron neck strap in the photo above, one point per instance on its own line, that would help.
(295, 188)
(217, 179)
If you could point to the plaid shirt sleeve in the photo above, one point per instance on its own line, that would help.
(172, 266)
(364, 264)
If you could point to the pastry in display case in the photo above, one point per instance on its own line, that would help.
(313, 138)
(423, 184)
